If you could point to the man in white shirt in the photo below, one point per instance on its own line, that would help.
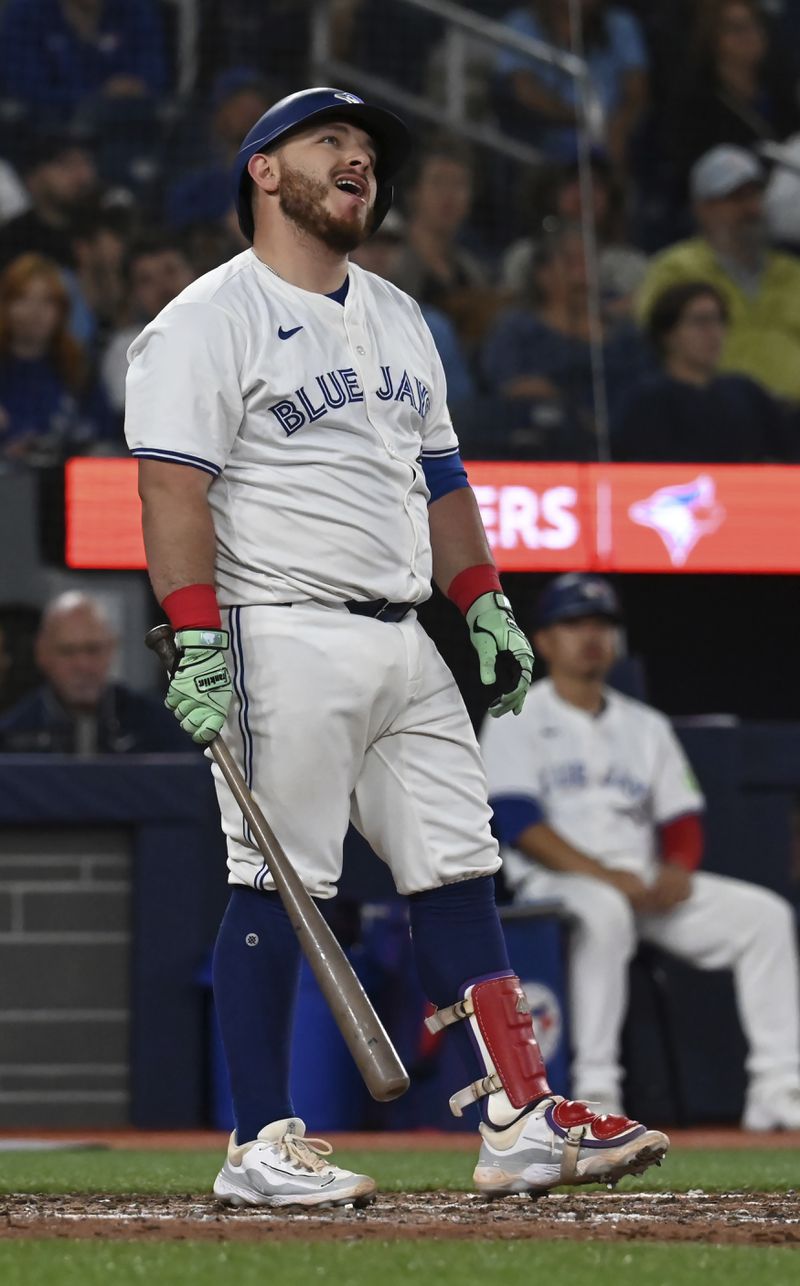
(596, 805)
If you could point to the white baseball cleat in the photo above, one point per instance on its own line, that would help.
(560, 1141)
(778, 1110)
(283, 1168)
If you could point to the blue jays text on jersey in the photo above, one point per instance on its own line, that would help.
(574, 775)
(333, 389)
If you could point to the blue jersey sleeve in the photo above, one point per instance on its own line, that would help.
(444, 472)
(513, 814)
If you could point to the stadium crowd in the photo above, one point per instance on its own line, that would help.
(115, 194)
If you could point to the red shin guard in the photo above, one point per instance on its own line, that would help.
(500, 1020)
(503, 1016)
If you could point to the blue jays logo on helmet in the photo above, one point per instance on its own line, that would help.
(569, 597)
(390, 135)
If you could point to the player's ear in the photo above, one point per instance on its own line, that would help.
(264, 170)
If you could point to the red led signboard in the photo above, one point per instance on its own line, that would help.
(539, 517)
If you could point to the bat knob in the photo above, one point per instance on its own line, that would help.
(154, 636)
(161, 640)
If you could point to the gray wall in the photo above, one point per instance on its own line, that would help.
(64, 977)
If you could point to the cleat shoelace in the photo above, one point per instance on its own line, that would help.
(306, 1153)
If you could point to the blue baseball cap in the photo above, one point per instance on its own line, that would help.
(569, 597)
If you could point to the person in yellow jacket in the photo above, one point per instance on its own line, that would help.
(760, 286)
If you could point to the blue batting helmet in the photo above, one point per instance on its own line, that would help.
(569, 597)
(392, 140)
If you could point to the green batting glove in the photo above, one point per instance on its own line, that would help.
(201, 688)
(496, 637)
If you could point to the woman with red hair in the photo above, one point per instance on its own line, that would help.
(49, 406)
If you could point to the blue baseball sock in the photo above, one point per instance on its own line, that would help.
(457, 937)
(255, 971)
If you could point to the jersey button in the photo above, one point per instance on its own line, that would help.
(361, 350)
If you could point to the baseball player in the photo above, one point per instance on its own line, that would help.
(598, 807)
(301, 485)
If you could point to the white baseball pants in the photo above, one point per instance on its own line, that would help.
(724, 924)
(339, 717)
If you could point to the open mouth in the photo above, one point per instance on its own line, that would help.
(352, 186)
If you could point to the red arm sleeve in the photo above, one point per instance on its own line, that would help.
(682, 841)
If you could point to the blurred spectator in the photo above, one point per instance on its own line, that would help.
(79, 710)
(782, 193)
(740, 89)
(786, 17)
(156, 269)
(18, 676)
(541, 350)
(60, 178)
(239, 96)
(378, 254)
(539, 103)
(55, 54)
(389, 40)
(5, 667)
(48, 403)
(14, 198)
(689, 411)
(274, 36)
(621, 267)
(761, 287)
(212, 242)
(99, 247)
(460, 384)
(433, 266)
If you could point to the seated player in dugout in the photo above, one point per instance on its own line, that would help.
(596, 805)
(79, 709)
(302, 485)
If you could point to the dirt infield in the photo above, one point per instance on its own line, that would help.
(740, 1218)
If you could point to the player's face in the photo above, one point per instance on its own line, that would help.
(327, 183)
(581, 649)
(74, 652)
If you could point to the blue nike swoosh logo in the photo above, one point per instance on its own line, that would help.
(287, 334)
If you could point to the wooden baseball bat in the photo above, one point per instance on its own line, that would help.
(365, 1036)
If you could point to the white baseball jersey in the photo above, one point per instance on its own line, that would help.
(312, 418)
(603, 782)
